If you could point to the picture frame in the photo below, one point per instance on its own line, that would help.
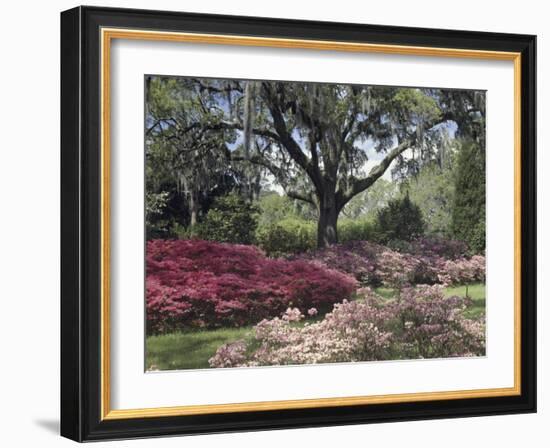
(87, 34)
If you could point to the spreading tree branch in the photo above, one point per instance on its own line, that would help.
(309, 198)
(359, 185)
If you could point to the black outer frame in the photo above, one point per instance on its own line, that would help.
(80, 223)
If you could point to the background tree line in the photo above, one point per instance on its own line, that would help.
(305, 164)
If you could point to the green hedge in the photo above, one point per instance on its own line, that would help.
(288, 236)
(357, 230)
(294, 235)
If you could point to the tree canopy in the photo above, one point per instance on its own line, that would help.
(314, 141)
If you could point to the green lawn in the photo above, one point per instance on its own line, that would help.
(476, 292)
(191, 350)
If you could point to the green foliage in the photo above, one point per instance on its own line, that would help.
(477, 236)
(189, 164)
(182, 232)
(401, 219)
(289, 236)
(433, 190)
(468, 215)
(367, 203)
(357, 230)
(155, 203)
(231, 219)
(274, 208)
(205, 137)
(416, 104)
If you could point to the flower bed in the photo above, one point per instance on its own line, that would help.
(421, 262)
(421, 323)
(195, 283)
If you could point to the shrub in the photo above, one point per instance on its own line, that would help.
(433, 326)
(356, 258)
(274, 208)
(348, 333)
(422, 324)
(289, 236)
(231, 219)
(463, 270)
(196, 283)
(425, 261)
(357, 230)
(401, 219)
(438, 247)
(398, 270)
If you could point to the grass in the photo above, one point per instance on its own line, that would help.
(191, 350)
(476, 292)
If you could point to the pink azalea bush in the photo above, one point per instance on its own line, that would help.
(463, 270)
(433, 326)
(420, 323)
(424, 261)
(436, 246)
(357, 258)
(195, 283)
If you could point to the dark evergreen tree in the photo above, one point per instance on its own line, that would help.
(231, 219)
(468, 216)
(400, 220)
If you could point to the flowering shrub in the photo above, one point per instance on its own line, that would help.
(357, 258)
(397, 270)
(463, 270)
(421, 323)
(195, 283)
(433, 326)
(437, 247)
(423, 261)
(348, 333)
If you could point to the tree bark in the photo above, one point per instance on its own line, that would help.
(327, 231)
(327, 226)
(193, 209)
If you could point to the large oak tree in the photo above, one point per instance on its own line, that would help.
(317, 139)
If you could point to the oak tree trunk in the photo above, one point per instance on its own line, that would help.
(327, 231)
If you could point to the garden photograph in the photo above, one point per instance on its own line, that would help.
(292, 223)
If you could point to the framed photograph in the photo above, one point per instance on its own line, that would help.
(272, 223)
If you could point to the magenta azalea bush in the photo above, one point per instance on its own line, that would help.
(195, 283)
(420, 323)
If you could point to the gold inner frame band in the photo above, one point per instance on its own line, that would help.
(107, 35)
